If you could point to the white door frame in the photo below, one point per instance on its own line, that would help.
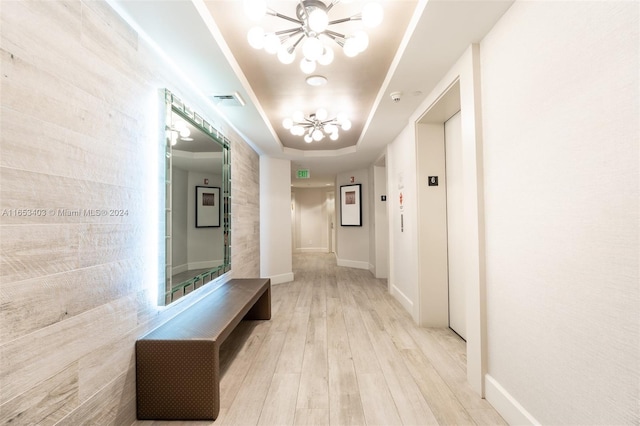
(331, 210)
(433, 306)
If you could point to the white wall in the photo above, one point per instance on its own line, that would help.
(353, 241)
(403, 261)
(561, 204)
(560, 105)
(380, 240)
(311, 220)
(275, 210)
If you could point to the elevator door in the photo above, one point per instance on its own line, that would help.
(455, 234)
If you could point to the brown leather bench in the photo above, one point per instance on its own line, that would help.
(177, 364)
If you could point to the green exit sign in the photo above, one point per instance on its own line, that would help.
(303, 174)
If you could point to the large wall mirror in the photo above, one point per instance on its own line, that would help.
(198, 215)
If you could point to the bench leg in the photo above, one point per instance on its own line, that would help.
(262, 308)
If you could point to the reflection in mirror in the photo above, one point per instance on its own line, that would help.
(197, 201)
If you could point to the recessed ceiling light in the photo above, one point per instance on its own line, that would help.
(316, 80)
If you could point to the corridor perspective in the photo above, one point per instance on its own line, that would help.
(340, 350)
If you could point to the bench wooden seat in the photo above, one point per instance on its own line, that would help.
(177, 364)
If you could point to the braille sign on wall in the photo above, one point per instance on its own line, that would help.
(383, 198)
(433, 180)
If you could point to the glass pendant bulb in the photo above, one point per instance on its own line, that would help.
(318, 20)
(286, 55)
(317, 135)
(351, 47)
(334, 136)
(327, 56)
(346, 125)
(307, 66)
(271, 43)
(308, 138)
(255, 9)
(330, 128)
(372, 14)
(312, 48)
(321, 114)
(287, 123)
(255, 37)
(298, 116)
(362, 40)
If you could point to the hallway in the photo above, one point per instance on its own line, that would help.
(339, 350)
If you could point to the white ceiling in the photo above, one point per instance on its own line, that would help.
(416, 44)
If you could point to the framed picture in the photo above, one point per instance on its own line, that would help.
(207, 207)
(351, 205)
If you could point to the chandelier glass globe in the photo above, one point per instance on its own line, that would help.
(318, 20)
(372, 14)
(312, 49)
(307, 66)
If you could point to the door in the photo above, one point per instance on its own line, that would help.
(455, 234)
(331, 212)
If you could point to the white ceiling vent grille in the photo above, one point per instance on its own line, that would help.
(232, 100)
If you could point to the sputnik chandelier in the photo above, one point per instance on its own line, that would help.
(316, 126)
(311, 30)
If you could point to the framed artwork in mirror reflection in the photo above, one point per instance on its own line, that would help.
(207, 206)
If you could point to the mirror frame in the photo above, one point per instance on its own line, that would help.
(170, 291)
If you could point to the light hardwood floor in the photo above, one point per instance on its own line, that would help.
(339, 350)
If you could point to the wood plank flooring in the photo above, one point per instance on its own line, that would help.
(339, 350)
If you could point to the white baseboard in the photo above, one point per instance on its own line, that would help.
(282, 278)
(402, 298)
(180, 268)
(353, 264)
(372, 269)
(205, 264)
(311, 250)
(505, 404)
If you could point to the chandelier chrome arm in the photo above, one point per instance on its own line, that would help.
(272, 12)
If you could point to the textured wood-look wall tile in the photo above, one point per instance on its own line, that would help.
(53, 26)
(106, 362)
(245, 211)
(65, 295)
(31, 251)
(39, 146)
(63, 104)
(114, 404)
(98, 30)
(58, 199)
(109, 242)
(31, 359)
(47, 402)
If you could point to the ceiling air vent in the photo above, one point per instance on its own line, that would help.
(233, 100)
